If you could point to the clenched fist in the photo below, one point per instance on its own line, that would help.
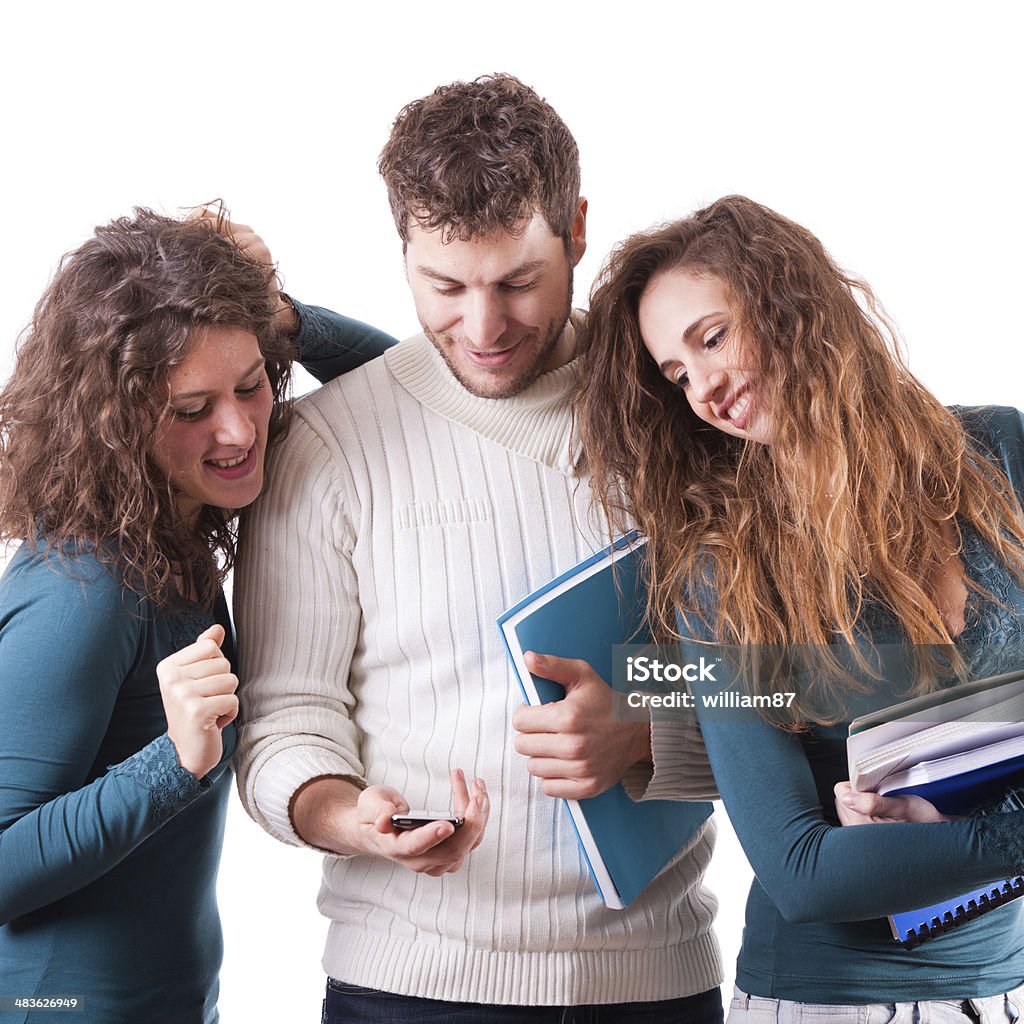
(198, 690)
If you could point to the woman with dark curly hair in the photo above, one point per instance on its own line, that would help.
(134, 427)
(743, 403)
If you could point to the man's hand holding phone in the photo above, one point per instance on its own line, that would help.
(434, 848)
(332, 813)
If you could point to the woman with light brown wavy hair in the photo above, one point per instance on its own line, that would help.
(134, 427)
(743, 402)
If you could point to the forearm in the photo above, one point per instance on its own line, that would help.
(294, 568)
(323, 814)
(676, 766)
(330, 344)
(851, 874)
(814, 870)
(70, 841)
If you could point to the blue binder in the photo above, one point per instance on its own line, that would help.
(913, 927)
(959, 795)
(584, 613)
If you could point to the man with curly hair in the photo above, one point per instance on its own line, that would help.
(412, 501)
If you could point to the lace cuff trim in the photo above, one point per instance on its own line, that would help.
(155, 767)
(1002, 830)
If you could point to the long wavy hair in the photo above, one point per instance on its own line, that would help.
(89, 394)
(850, 501)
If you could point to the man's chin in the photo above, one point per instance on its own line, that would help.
(487, 382)
(499, 381)
(493, 383)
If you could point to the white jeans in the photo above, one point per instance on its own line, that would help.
(1005, 1009)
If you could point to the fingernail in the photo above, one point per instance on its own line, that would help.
(849, 800)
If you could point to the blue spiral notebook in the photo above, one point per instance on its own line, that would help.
(914, 926)
(584, 613)
(957, 748)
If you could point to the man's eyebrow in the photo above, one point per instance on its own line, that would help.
(435, 275)
(522, 270)
(181, 395)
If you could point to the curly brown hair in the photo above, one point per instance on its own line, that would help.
(476, 157)
(865, 469)
(89, 393)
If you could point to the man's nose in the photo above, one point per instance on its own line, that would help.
(484, 321)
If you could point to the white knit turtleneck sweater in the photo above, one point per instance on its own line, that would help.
(403, 514)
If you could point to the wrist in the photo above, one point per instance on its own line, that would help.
(192, 764)
(323, 814)
(642, 744)
(286, 319)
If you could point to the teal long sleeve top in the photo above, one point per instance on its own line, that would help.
(815, 926)
(108, 848)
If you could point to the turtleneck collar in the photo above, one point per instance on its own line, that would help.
(536, 423)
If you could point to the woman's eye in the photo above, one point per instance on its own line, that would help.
(714, 340)
(681, 379)
(250, 391)
(187, 415)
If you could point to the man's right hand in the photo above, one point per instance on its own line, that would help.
(333, 814)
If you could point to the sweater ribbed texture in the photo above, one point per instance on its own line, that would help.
(403, 515)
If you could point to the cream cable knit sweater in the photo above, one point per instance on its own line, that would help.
(403, 515)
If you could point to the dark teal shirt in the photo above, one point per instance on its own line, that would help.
(108, 849)
(815, 918)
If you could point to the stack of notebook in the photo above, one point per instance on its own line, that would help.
(958, 748)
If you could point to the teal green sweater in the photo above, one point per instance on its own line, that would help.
(108, 872)
(815, 925)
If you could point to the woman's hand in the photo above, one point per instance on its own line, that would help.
(856, 808)
(198, 690)
(253, 246)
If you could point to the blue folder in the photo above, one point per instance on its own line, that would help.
(584, 613)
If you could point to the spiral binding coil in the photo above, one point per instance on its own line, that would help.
(1006, 892)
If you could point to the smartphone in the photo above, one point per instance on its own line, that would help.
(417, 819)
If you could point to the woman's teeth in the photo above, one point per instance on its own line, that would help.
(738, 408)
(228, 463)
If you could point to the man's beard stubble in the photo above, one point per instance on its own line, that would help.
(522, 380)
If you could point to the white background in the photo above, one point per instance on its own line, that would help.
(890, 129)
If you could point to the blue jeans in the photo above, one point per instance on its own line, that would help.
(350, 1004)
